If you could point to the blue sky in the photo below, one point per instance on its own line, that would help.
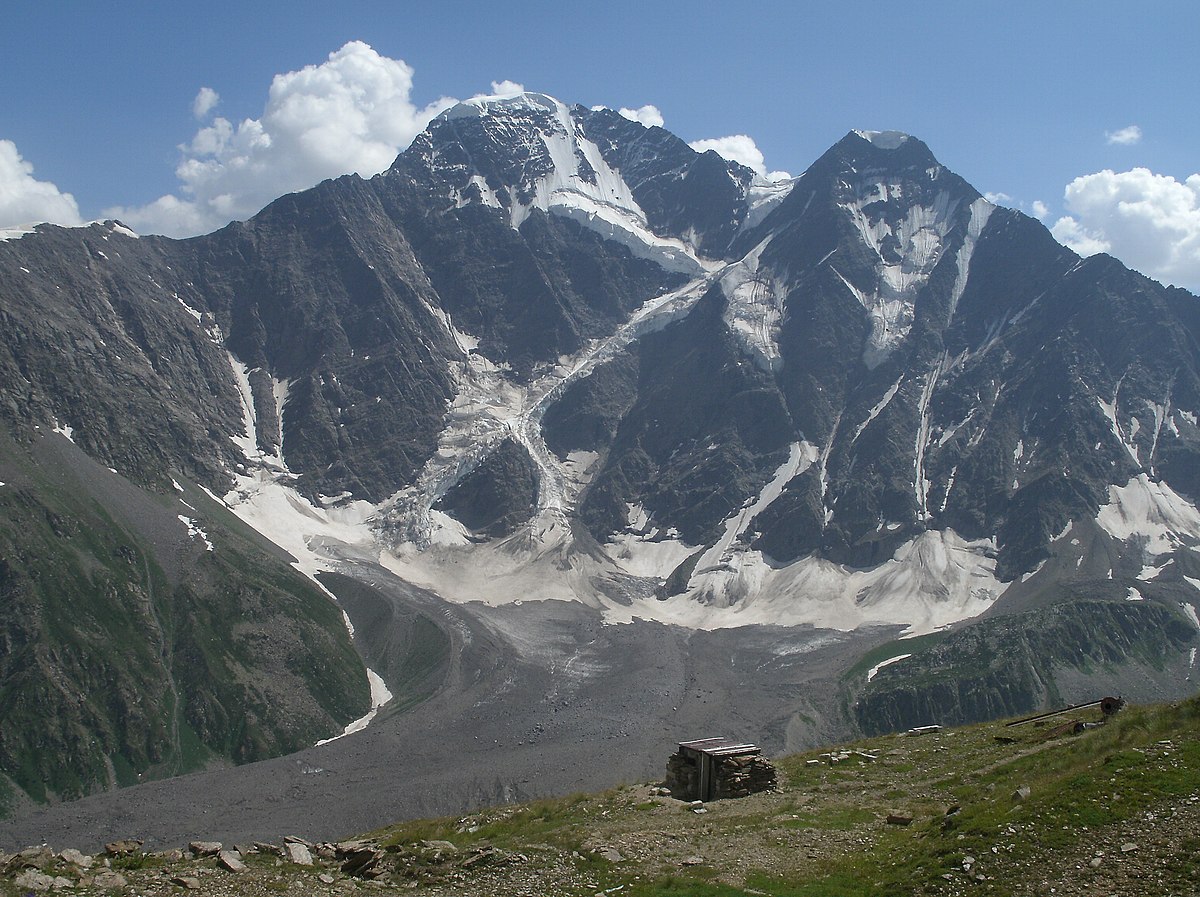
(1024, 99)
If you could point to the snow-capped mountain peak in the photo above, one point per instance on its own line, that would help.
(530, 151)
(886, 140)
(503, 104)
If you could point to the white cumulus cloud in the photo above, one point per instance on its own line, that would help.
(648, 115)
(506, 88)
(1040, 209)
(26, 200)
(740, 148)
(1124, 137)
(351, 113)
(205, 100)
(1150, 221)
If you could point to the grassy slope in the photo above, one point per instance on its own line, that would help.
(129, 651)
(826, 832)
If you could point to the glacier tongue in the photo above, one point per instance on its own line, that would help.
(489, 408)
(754, 308)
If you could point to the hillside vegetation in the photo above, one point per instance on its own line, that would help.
(986, 809)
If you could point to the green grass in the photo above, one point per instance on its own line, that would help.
(1073, 786)
(678, 886)
(891, 649)
(841, 819)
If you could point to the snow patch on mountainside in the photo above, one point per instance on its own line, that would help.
(195, 532)
(651, 554)
(380, 695)
(718, 574)
(932, 581)
(16, 231)
(1152, 511)
(247, 440)
(908, 249)
(874, 671)
(981, 212)
(762, 198)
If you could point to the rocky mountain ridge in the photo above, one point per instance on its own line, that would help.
(554, 354)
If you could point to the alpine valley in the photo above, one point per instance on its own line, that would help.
(583, 443)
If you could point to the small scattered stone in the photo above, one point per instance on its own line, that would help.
(39, 857)
(1095, 862)
(611, 854)
(899, 819)
(186, 881)
(230, 861)
(1128, 846)
(485, 856)
(364, 861)
(109, 880)
(325, 878)
(692, 861)
(34, 880)
(298, 853)
(205, 848)
(296, 839)
(123, 848)
(1022, 794)
(699, 811)
(76, 858)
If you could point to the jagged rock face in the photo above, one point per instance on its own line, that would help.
(688, 455)
(498, 496)
(101, 335)
(700, 197)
